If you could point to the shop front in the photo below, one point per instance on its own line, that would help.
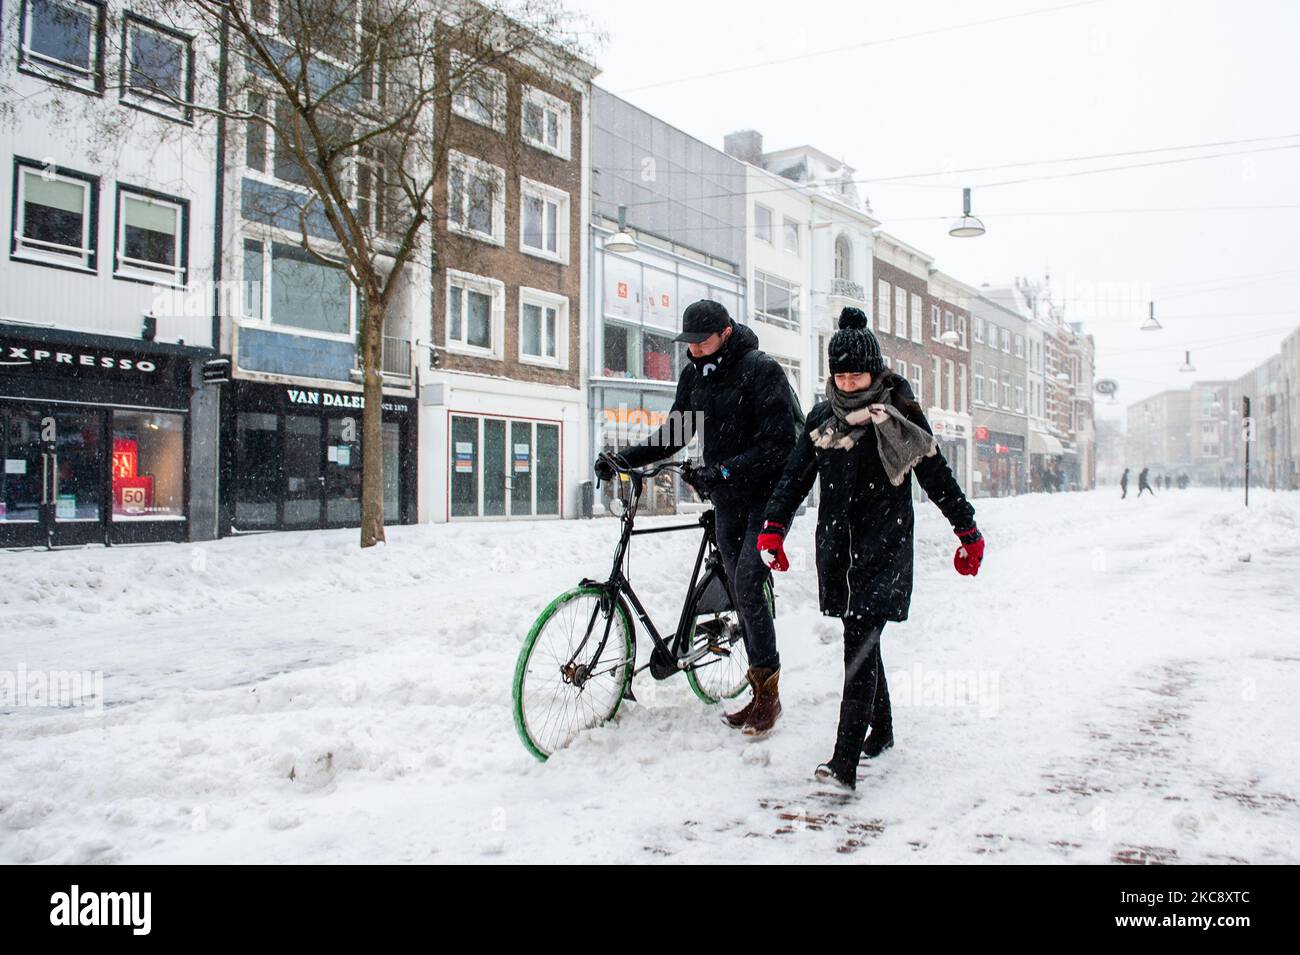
(999, 463)
(626, 416)
(96, 435)
(953, 434)
(291, 458)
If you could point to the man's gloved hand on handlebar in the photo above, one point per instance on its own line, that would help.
(608, 464)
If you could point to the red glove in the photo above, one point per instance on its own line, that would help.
(970, 553)
(772, 540)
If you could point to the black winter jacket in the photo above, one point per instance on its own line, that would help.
(864, 523)
(746, 416)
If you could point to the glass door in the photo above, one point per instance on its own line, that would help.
(303, 472)
(24, 484)
(496, 477)
(343, 472)
(55, 475)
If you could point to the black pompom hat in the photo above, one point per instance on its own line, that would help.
(854, 348)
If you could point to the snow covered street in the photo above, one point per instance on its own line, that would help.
(1119, 683)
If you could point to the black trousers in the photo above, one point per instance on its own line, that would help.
(737, 528)
(866, 693)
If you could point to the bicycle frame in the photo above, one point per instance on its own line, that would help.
(674, 657)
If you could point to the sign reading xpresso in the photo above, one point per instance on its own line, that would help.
(26, 355)
(72, 363)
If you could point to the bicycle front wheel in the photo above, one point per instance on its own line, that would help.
(718, 644)
(561, 688)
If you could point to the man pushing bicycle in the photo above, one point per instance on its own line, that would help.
(749, 416)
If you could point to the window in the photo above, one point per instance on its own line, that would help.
(63, 40)
(947, 322)
(961, 332)
(148, 466)
(961, 389)
(543, 221)
(287, 285)
(545, 122)
(1005, 335)
(790, 235)
(918, 386)
(255, 143)
(1020, 346)
(776, 301)
(54, 216)
(479, 93)
(622, 350)
(979, 382)
(882, 305)
(843, 258)
(762, 223)
(935, 365)
(792, 371)
(934, 321)
(821, 361)
(543, 327)
(888, 361)
(475, 312)
(900, 312)
(157, 68)
(475, 199)
(1020, 398)
(1006, 389)
(372, 171)
(948, 368)
(151, 237)
(979, 330)
(916, 318)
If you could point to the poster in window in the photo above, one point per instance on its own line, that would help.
(622, 289)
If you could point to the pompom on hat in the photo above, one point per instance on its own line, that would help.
(854, 348)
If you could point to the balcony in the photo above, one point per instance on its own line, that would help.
(395, 361)
(397, 357)
(849, 289)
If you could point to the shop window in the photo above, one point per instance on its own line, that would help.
(657, 352)
(63, 40)
(157, 68)
(148, 466)
(548, 469)
(464, 466)
(343, 471)
(54, 216)
(151, 234)
(622, 352)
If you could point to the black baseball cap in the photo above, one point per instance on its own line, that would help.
(703, 319)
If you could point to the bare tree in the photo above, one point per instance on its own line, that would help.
(345, 101)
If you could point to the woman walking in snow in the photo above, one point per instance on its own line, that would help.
(864, 441)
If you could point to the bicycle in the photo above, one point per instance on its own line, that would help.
(572, 676)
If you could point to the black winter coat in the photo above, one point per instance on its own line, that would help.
(747, 419)
(864, 523)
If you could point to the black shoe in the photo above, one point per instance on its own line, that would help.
(879, 741)
(827, 773)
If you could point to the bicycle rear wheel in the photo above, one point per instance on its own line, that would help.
(717, 640)
(560, 691)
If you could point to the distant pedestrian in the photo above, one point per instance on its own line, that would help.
(1123, 485)
(1143, 483)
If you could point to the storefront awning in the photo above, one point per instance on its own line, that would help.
(1040, 442)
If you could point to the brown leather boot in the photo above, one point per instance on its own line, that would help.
(738, 719)
(767, 701)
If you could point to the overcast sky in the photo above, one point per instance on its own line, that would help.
(945, 92)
